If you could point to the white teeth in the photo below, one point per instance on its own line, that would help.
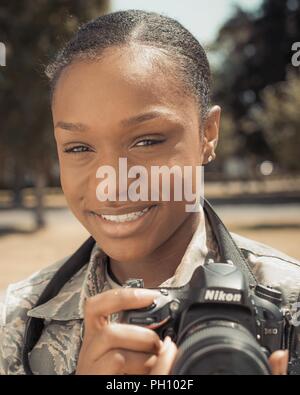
(125, 217)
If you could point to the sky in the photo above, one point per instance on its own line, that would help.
(202, 18)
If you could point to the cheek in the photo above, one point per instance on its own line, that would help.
(195, 148)
(171, 216)
(74, 183)
(193, 170)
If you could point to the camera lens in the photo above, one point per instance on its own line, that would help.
(220, 348)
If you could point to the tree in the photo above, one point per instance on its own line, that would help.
(254, 51)
(279, 120)
(33, 31)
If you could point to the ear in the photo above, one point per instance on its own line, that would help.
(211, 134)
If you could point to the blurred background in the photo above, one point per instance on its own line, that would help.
(254, 183)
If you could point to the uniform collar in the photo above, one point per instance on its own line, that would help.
(90, 280)
(68, 304)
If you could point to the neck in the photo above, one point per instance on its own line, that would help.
(162, 263)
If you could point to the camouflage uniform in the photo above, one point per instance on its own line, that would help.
(57, 350)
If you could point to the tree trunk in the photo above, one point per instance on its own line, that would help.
(39, 210)
(18, 184)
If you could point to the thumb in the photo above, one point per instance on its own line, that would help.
(279, 362)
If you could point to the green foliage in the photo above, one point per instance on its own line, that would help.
(33, 31)
(279, 119)
(253, 52)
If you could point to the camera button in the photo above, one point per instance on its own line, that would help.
(147, 308)
(142, 320)
(164, 292)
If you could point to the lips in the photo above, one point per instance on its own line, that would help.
(122, 222)
(126, 217)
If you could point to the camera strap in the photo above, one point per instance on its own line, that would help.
(228, 249)
(35, 326)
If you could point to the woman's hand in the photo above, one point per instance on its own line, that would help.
(113, 348)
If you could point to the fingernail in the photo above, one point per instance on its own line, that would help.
(167, 341)
(144, 293)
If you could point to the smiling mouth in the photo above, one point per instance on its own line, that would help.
(129, 217)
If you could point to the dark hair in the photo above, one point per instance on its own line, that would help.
(147, 28)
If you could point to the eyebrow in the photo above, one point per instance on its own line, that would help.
(140, 118)
(73, 127)
(147, 116)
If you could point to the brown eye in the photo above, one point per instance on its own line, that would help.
(148, 142)
(77, 149)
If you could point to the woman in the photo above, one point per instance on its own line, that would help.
(132, 85)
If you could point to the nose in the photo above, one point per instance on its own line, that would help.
(109, 180)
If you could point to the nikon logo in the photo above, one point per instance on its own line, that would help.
(222, 296)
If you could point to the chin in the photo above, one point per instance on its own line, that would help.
(127, 251)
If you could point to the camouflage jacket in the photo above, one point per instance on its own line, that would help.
(56, 351)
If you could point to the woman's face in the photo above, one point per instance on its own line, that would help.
(125, 106)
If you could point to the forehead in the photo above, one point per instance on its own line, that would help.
(119, 84)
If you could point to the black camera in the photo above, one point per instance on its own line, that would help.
(219, 323)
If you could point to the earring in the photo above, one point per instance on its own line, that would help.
(210, 158)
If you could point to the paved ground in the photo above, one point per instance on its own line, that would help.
(23, 252)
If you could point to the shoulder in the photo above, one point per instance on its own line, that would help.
(260, 249)
(19, 298)
(22, 295)
(272, 267)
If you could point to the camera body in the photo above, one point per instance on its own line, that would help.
(220, 324)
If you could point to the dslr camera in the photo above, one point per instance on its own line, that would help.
(219, 324)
